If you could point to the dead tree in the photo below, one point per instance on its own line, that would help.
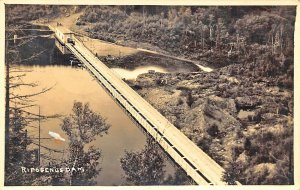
(17, 113)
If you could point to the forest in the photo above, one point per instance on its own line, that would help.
(261, 37)
(220, 36)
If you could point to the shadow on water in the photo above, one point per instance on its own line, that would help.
(36, 47)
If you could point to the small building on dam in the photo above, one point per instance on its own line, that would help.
(63, 36)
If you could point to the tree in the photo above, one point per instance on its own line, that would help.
(213, 130)
(82, 126)
(221, 33)
(180, 178)
(231, 173)
(18, 117)
(189, 99)
(146, 167)
(247, 144)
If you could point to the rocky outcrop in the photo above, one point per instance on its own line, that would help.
(220, 112)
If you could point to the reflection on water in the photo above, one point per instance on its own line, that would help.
(148, 167)
(76, 84)
(81, 127)
(132, 74)
(72, 84)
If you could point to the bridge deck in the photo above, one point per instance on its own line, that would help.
(197, 164)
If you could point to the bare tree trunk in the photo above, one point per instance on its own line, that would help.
(217, 36)
(272, 44)
(210, 32)
(6, 102)
(280, 40)
(202, 43)
(238, 43)
(144, 20)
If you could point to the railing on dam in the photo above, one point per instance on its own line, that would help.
(196, 163)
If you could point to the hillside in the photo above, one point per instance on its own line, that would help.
(239, 112)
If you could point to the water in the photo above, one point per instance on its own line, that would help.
(205, 69)
(133, 74)
(69, 84)
(76, 84)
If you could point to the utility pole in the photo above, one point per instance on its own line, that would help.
(144, 20)
(39, 135)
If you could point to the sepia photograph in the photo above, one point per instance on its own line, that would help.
(148, 95)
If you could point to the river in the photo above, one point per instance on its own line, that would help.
(72, 83)
(133, 74)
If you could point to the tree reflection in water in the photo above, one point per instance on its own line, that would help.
(147, 167)
(82, 126)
